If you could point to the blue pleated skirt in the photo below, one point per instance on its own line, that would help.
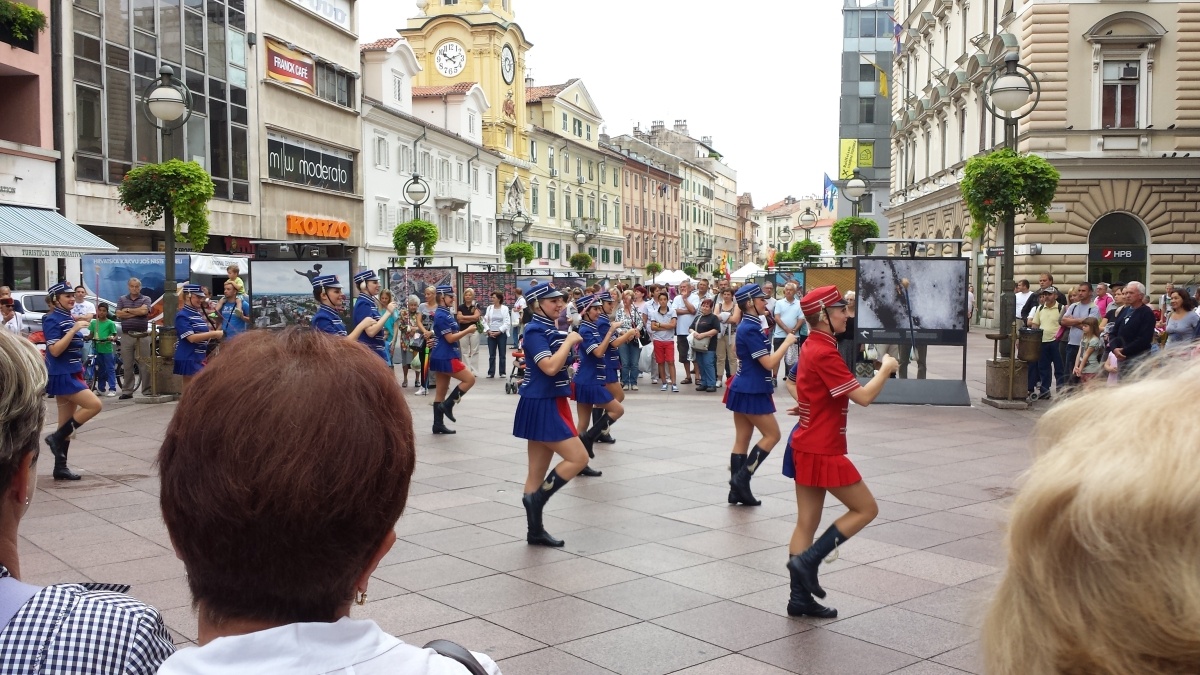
(594, 394)
(750, 404)
(544, 419)
(611, 374)
(188, 367)
(446, 365)
(65, 385)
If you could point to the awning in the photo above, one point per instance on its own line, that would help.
(42, 233)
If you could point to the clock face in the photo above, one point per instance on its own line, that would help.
(450, 58)
(508, 64)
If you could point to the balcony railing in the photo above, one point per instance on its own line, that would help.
(451, 194)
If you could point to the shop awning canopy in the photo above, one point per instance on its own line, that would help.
(42, 233)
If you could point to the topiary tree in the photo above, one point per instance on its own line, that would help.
(1004, 182)
(518, 252)
(804, 250)
(652, 269)
(853, 231)
(580, 261)
(690, 270)
(421, 233)
(184, 187)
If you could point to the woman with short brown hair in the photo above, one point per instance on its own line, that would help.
(281, 522)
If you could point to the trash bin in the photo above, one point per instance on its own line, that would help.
(1029, 344)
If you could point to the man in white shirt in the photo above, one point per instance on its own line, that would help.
(787, 317)
(84, 311)
(970, 304)
(1023, 295)
(685, 305)
(1164, 302)
(663, 322)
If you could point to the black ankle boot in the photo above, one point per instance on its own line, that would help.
(805, 565)
(439, 424)
(735, 464)
(447, 406)
(801, 602)
(590, 472)
(740, 482)
(61, 472)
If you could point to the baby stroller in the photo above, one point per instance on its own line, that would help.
(516, 373)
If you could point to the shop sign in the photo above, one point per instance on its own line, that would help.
(306, 163)
(290, 67)
(317, 227)
(39, 252)
(334, 11)
(1113, 254)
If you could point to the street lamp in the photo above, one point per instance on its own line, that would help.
(807, 220)
(416, 192)
(168, 106)
(854, 190)
(1009, 90)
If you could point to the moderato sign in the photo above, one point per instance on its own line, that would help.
(306, 163)
(290, 67)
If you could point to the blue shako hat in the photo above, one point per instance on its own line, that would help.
(193, 289)
(59, 289)
(749, 292)
(582, 304)
(604, 296)
(365, 275)
(446, 290)
(326, 281)
(542, 292)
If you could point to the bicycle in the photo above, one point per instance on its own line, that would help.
(93, 373)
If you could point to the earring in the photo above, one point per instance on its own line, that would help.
(360, 598)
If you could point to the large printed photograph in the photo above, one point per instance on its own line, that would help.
(281, 293)
(414, 281)
(561, 281)
(920, 300)
(486, 283)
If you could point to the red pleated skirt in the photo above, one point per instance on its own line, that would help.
(824, 471)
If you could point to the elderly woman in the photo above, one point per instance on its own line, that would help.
(467, 315)
(410, 336)
(629, 317)
(427, 310)
(1102, 544)
(59, 628)
(281, 525)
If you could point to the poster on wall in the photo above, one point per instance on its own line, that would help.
(782, 277)
(413, 281)
(281, 292)
(486, 283)
(931, 308)
(290, 66)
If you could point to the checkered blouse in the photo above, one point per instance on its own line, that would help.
(83, 628)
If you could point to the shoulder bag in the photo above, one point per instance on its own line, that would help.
(458, 653)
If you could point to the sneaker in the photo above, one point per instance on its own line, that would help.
(420, 391)
(624, 387)
(633, 388)
(675, 388)
(654, 380)
(110, 394)
(664, 387)
(1033, 396)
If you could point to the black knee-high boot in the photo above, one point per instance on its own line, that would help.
(604, 422)
(740, 483)
(447, 406)
(735, 464)
(801, 602)
(439, 424)
(534, 503)
(805, 564)
(61, 472)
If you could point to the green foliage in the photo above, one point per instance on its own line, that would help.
(1005, 182)
(804, 249)
(853, 231)
(691, 270)
(184, 186)
(652, 269)
(519, 251)
(580, 261)
(421, 233)
(21, 20)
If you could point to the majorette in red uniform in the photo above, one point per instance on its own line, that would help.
(816, 453)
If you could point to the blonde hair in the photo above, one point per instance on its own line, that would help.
(23, 372)
(1104, 540)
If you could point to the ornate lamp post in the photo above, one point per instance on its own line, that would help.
(854, 190)
(808, 219)
(416, 193)
(168, 106)
(1009, 90)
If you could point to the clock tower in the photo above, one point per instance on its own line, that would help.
(479, 41)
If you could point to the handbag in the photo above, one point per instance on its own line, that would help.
(871, 353)
(791, 355)
(644, 336)
(458, 653)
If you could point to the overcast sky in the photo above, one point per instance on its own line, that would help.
(761, 78)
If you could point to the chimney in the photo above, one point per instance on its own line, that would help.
(528, 81)
(604, 138)
(657, 126)
(707, 140)
(681, 127)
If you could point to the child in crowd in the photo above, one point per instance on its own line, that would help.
(1091, 350)
(233, 271)
(104, 331)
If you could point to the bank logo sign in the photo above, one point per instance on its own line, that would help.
(334, 11)
(295, 161)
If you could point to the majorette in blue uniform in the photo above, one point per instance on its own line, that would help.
(365, 306)
(589, 378)
(445, 360)
(750, 391)
(543, 414)
(190, 356)
(65, 377)
(327, 319)
(612, 369)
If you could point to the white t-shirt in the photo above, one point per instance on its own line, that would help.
(16, 324)
(685, 320)
(1022, 298)
(653, 314)
(83, 309)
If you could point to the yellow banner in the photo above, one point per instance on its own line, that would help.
(866, 153)
(849, 159)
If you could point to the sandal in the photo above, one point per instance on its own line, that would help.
(404, 383)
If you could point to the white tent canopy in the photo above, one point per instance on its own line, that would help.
(746, 271)
(672, 277)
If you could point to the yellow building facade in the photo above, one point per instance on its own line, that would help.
(479, 41)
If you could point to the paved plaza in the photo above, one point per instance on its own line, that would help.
(659, 574)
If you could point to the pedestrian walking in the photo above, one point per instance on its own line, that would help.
(543, 416)
(64, 364)
(749, 394)
(498, 320)
(366, 308)
(445, 361)
(193, 333)
(816, 451)
(590, 394)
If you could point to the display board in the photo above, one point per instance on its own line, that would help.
(281, 292)
(844, 278)
(412, 281)
(486, 283)
(561, 282)
(931, 310)
(781, 277)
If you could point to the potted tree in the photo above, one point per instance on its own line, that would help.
(581, 262)
(422, 234)
(183, 187)
(1004, 183)
(652, 269)
(852, 231)
(518, 252)
(803, 251)
(690, 270)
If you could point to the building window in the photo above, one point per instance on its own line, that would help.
(1119, 102)
(476, 231)
(381, 215)
(460, 229)
(538, 245)
(564, 115)
(616, 179)
(443, 227)
(491, 181)
(962, 129)
(567, 206)
(604, 212)
(866, 110)
(591, 170)
(335, 85)
(578, 167)
(471, 123)
(397, 87)
(550, 200)
(626, 179)
(550, 157)
(579, 205)
(382, 153)
(589, 132)
(616, 256)
(944, 141)
(577, 127)
(474, 179)
(508, 138)
(533, 200)
(866, 72)
(450, 2)
(532, 150)
(566, 161)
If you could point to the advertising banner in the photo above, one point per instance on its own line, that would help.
(281, 292)
(305, 163)
(848, 158)
(290, 66)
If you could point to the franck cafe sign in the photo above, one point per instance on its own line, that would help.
(305, 163)
(290, 67)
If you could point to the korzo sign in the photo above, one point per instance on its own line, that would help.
(307, 166)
